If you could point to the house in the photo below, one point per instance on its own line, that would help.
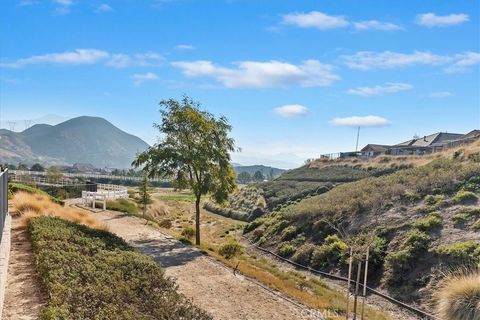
(373, 150)
(419, 146)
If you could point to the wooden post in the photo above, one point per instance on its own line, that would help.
(348, 284)
(355, 299)
(365, 283)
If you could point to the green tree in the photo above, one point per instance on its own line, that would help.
(194, 152)
(258, 176)
(22, 167)
(244, 177)
(37, 167)
(54, 174)
(144, 195)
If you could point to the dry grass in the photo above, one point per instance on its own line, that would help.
(459, 296)
(27, 206)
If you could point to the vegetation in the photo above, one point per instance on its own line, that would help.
(79, 265)
(433, 220)
(121, 205)
(195, 152)
(398, 264)
(463, 196)
(459, 296)
(245, 204)
(14, 187)
(230, 249)
(459, 252)
(26, 206)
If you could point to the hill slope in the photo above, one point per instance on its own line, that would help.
(420, 221)
(79, 140)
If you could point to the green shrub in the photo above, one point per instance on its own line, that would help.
(16, 187)
(334, 251)
(92, 274)
(286, 249)
(464, 197)
(476, 225)
(431, 200)
(121, 205)
(253, 225)
(459, 252)
(459, 218)
(188, 232)
(304, 254)
(230, 249)
(472, 184)
(398, 264)
(288, 233)
(433, 220)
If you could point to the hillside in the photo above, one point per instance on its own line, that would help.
(421, 220)
(79, 140)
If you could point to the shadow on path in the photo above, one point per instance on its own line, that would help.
(168, 253)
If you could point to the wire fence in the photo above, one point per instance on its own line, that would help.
(415, 310)
(3, 199)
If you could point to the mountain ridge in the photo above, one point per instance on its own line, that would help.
(84, 139)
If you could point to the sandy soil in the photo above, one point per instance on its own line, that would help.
(208, 283)
(24, 295)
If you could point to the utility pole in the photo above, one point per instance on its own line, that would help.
(365, 282)
(11, 125)
(348, 283)
(27, 124)
(358, 136)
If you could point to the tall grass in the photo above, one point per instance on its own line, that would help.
(459, 296)
(27, 206)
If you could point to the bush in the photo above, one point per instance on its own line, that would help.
(121, 205)
(464, 197)
(458, 296)
(188, 233)
(433, 220)
(431, 200)
(230, 249)
(165, 223)
(288, 233)
(286, 249)
(476, 225)
(253, 225)
(398, 264)
(304, 254)
(92, 274)
(333, 252)
(14, 187)
(459, 252)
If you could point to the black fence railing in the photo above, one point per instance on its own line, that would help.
(3, 199)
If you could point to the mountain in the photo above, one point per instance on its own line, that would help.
(265, 170)
(79, 140)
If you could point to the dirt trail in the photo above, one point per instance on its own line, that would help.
(208, 283)
(24, 294)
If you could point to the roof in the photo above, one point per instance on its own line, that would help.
(472, 134)
(375, 147)
(436, 138)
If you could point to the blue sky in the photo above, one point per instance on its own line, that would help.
(289, 75)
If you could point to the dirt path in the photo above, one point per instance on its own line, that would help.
(24, 294)
(208, 283)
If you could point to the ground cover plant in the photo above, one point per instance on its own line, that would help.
(92, 274)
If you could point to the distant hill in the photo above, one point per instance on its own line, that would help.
(265, 170)
(79, 140)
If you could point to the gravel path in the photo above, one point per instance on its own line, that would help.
(210, 284)
(24, 294)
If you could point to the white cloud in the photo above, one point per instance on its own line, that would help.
(367, 60)
(463, 62)
(76, 57)
(440, 94)
(356, 121)
(390, 87)
(291, 111)
(269, 74)
(138, 79)
(376, 25)
(184, 47)
(63, 6)
(89, 56)
(315, 19)
(103, 8)
(432, 20)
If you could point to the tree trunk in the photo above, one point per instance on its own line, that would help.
(197, 221)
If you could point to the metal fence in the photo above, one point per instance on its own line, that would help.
(3, 199)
